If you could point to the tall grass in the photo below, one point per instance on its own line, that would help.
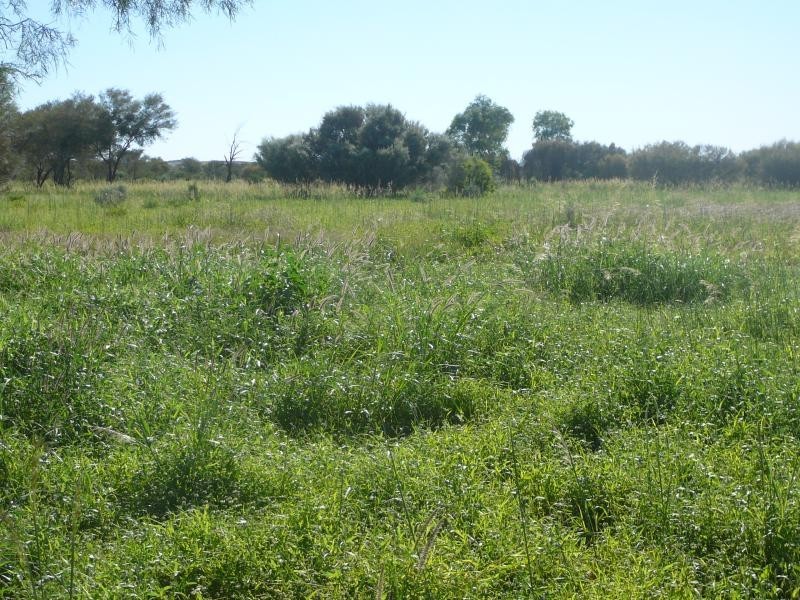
(261, 391)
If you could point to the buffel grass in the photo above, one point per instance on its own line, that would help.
(577, 390)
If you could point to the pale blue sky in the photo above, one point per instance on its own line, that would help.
(722, 72)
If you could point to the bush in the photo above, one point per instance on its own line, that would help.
(612, 166)
(778, 164)
(471, 177)
(676, 163)
(558, 159)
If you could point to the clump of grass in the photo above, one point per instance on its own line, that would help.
(635, 273)
(585, 420)
(15, 197)
(111, 197)
(194, 472)
(208, 412)
(47, 379)
(392, 399)
(471, 236)
(193, 192)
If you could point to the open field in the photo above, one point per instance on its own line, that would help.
(577, 390)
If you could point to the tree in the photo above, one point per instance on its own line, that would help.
(127, 123)
(29, 49)
(230, 157)
(190, 168)
(32, 144)
(8, 115)
(482, 129)
(510, 170)
(151, 168)
(549, 125)
(778, 164)
(557, 159)
(550, 160)
(290, 159)
(374, 147)
(335, 143)
(676, 163)
(52, 136)
(391, 150)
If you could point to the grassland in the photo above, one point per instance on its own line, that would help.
(577, 390)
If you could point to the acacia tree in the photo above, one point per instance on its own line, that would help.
(127, 122)
(52, 136)
(30, 48)
(32, 143)
(482, 129)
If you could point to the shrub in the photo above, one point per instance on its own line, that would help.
(778, 164)
(471, 177)
(558, 159)
(675, 163)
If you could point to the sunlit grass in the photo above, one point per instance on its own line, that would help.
(259, 391)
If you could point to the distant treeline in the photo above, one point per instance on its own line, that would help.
(668, 163)
(374, 148)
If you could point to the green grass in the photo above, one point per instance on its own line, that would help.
(568, 390)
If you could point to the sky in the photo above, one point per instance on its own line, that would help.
(628, 72)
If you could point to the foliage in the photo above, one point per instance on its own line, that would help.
(374, 148)
(482, 129)
(778, 164)
(634, 273)
(127, 122)
(289, 159)
(52, 136)
(557, 159)
(31, 48)
(471, 177)
(8, 112)
(190, 168)
(551, 125)
(675, 163)
(61, 138)
(510, 170)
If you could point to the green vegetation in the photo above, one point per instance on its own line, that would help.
(471, 176)
(374, 149)
(33, 44)
(256, 390)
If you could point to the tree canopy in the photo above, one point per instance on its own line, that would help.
(371, 147)
(550, 125)
(50, 137)
(30, 48)
(127, 122)
(482, 129)
(8, 111)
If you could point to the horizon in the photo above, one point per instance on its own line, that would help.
(619, 72)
